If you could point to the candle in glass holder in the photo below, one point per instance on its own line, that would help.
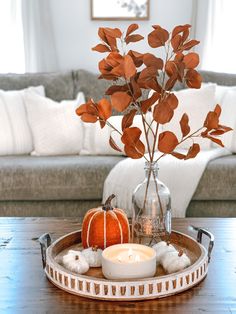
(128, 261)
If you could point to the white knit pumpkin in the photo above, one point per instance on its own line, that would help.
(161, 249)
(174, 261)
(93, 256)
(75, 262)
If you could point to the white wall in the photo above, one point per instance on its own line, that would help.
(76, 34)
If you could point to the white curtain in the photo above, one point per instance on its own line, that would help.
(214, 23)
(39, 43)
(11, 33)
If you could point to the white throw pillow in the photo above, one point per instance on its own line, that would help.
(228, 117)
(196, 103)
(221, 91)
(56, 128)
(15, 134)
(96, 140)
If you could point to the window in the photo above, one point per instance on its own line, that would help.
(219, 43)
(12, 58)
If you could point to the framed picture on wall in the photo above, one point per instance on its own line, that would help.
(120, 9)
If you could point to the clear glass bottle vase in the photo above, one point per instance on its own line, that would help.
(151, 200)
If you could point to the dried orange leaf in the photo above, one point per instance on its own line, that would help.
(211, 121)
(163, 113)
(114, 145)
(131, 135)
(152, 61)
(101, 48)
(148, 73)
(116, 88)
(217, 110)
(190, 44)
(146, 104)
(176, 42)
(185, 129)
(136, 90)
(217, 132)
(104, 109)
(193, 79)
(120, 101)
(191, 60)
(193, 151)
(170, 83)
(172, 101)
(134, 148)
(113, 32)
(171, 68)
(178, 155)
(158, 37)
(132, 28)
(179, 29)
(167, 142)
(135, 152)
(137, 57)
(127, 120)
(216, 140)
(133, 38)
(225, 128)
(87, 117)
(129, 67)
(102, 35)
(81, 109)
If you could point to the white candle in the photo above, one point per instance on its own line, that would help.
(127, 261)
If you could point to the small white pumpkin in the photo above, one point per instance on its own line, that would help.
(174, 261)
(75, 262)
(93, 256)
(161, 249)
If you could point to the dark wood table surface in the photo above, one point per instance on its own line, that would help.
(25, 289)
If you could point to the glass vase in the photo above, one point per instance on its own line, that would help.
(151, 200)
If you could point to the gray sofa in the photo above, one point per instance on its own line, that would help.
(69, 185)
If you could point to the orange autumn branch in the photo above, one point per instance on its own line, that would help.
(133, 74)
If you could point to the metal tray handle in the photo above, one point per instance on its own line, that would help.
(45, 241)
(200, 232)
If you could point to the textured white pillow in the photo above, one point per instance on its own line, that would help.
(56, 128)
(15, 134)
(96, 140)
(221, 91)
(196, 103)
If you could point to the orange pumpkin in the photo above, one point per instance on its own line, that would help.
(105, 226)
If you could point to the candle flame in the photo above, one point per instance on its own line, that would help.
(130, 253)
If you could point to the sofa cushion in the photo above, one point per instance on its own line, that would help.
(58, 86)
(58, 208)
(226, 79)
(211, 209)
(95, 88)
(54, 178)
(90, 85)
(218, 182)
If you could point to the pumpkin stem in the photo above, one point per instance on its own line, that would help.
(107, 206)
(94, 248)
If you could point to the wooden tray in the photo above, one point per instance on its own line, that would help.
(94, 285)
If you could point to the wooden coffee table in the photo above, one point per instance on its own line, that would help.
(25, 289)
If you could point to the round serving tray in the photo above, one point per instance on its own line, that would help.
(94, 285)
